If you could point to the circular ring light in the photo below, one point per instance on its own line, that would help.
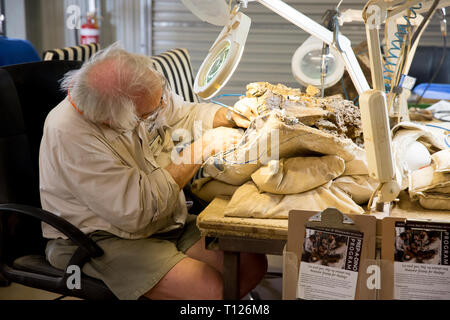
(223, 57)
(307, 60)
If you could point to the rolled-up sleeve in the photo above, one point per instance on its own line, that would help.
(126, 197)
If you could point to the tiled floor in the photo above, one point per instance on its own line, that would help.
(268, 289)
(19, 292)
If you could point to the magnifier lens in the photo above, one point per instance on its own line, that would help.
(311, 64)
(218, 62)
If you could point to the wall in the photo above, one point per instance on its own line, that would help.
(271, 42)
(153, 26)
(15, 18)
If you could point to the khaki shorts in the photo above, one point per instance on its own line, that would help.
(130, 268)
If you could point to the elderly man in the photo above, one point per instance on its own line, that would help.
(108, 165)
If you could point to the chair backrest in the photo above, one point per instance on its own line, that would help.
(38, 88)
(425, 63)
(79, 53)
(27, 93)
(14, 51)
(176, 66)
(16, 183)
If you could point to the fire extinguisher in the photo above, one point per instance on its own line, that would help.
(90, 32)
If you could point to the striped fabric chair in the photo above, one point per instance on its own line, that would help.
(80, 53)
(176, 66)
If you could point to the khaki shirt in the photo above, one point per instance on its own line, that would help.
(101, 179)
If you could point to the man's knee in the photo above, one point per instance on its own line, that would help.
(254, 266)
(190, 279)
(213, 286)
(259, 262)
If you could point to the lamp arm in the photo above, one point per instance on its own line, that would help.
(312, 27)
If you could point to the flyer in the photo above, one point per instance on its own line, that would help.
(421, 261)
(329, 264)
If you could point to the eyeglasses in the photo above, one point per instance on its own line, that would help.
(162, 104)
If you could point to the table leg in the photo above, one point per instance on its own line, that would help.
(231, 275)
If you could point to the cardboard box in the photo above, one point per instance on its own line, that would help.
(293, 252)
(423, 282)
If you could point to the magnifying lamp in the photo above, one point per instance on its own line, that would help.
(226, 52)
(307, 61)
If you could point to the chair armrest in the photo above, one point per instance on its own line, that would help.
(72, 232)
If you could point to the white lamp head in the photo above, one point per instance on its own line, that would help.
(223, 56)
(212, 11)
(307, 60)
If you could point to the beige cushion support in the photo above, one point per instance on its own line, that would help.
(298, 174)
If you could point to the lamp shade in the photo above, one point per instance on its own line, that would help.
(212, 11)
(223, 57)
(307, 60)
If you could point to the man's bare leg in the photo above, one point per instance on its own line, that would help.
(199, 277)
(189, 279)
(252, 269)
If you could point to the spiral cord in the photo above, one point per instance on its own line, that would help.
(397, 46)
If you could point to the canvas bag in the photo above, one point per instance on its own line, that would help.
(434, 201)
(431, 188)
(207, 189)
(426, 179)
(441, 161)
(360, 188)
(290, 139)
(298, 174)
(358, 165)
(247, 202)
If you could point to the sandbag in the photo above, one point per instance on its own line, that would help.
(434, 201)
(426, 179)
(359, 188)
(207, 189)
(277, 206)
(317, 199)
(445, 190)
(298, 174)
(358, 165)
(247, 202)
(441, 161)
(271, 139)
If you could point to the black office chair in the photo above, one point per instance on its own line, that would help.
(426, 62)
(27, 93)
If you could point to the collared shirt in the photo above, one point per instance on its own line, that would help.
(98, 178)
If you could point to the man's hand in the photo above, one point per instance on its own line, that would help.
(239, 120)
(212, 142)
(227, 118)
(219, 139)
(247, 107)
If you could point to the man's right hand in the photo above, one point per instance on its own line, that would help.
(248, 107)
(212, 142)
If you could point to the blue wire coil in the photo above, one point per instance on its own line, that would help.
(396, 45)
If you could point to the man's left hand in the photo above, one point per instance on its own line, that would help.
(239, 120)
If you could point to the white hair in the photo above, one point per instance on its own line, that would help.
(108, 95)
